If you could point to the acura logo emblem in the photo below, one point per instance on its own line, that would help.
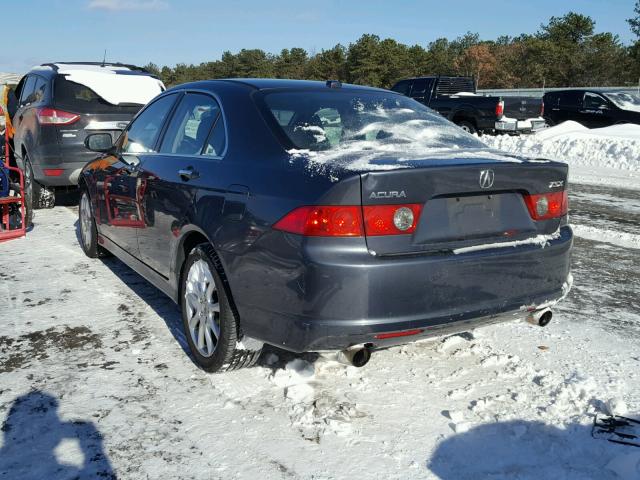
(486, 178)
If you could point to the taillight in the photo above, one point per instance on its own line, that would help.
(53, 172)
(348, 221)
(544, 206)
(542, 109)
(391, 219)
(323, 221)
(51, 116)
(500, 109)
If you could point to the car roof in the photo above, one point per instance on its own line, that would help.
(54, 67)
(278, 83)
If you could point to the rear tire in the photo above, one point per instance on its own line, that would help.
(210, 323)
(28, 192)
(468, 126)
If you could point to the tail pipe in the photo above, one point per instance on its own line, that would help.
(540, 317)
(357, 356)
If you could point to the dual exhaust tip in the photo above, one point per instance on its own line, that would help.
(359, 355)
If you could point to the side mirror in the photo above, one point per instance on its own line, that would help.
(99, 142)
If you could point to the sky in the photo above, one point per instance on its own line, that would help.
(167, 32)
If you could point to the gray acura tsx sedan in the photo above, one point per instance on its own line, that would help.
(318, 216)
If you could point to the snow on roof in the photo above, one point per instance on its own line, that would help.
(114, 83)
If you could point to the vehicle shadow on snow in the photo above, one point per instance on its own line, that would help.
(162, 305)
(532, 450)
(37, 444)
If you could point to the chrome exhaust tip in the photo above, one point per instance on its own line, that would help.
(540, 317)
(357, 356)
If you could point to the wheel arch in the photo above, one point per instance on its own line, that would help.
(193, 237)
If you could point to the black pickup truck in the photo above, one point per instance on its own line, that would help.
(456, 99)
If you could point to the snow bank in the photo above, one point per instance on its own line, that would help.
(114, 84)
(615, 147)
(614, 237)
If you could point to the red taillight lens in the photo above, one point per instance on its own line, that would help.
(323, 221)
(51, 116)
(391, 219)
(544, 206)
(542, 109)
(500, 109)
(53, 172)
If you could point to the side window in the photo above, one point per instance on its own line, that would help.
(27, 90)
(402, 87)
(191, 125)
(594, 101)
(571, 99)
(40, 90)
(142, 135)
(419, 87)
(214, 146)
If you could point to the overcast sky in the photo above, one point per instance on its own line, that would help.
(167, 32)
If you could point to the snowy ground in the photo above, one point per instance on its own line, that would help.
(609, 155)
(95, 381)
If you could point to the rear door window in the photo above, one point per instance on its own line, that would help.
(571, 99)
(191, 125)
(142, 135)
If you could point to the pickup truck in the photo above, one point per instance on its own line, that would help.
(456, 99)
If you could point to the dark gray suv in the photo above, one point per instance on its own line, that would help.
(59, 104)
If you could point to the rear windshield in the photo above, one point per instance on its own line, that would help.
(78, 98)
(355, 121)
(625, 100)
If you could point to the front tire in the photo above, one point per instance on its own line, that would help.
(208, 318)
(88, 229)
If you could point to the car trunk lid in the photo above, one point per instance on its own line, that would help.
(462, 204)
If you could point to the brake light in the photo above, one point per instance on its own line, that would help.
(544, 206)
(542, 109)
(323, 221)
(500, 109)
(391, 219)
(53, 172)
(51, 116)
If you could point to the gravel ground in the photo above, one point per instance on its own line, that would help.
(95, 381)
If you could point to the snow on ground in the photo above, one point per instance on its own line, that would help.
(609, 155)
(95, 382)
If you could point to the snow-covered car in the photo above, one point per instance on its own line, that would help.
(59, 104)
(317, 217)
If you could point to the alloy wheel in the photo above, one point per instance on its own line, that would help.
(203, 308)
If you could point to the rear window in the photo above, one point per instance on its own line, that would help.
(79, 98)
(353, 121)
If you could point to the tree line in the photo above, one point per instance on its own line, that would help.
(566, 51)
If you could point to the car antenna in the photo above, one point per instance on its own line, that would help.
(104, 59)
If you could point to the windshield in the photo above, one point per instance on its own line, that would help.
(352, 122)
(625, 100)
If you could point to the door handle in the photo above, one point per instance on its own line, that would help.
(188, 173)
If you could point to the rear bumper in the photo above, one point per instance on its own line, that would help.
(519, 126)
(329, 298)
(48, 161)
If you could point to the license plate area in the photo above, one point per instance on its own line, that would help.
(453, 219)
